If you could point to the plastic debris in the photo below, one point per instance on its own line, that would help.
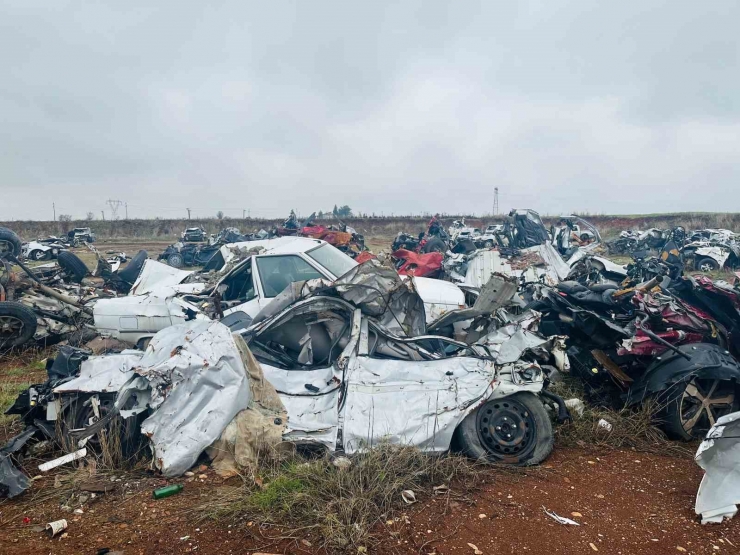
(56, 527)
(560, 519)
(408, 497)
(80, 453)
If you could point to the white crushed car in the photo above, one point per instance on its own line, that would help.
(163, 296)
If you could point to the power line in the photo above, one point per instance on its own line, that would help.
(114, 206)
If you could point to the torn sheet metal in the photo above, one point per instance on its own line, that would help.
(495, 294)
(534, 263)
(719, 456)
(508, 343)
(198, 384)
(418, 404)
(103, 374)
(155, 275)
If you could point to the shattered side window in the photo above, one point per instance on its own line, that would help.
(240, 285)
(277, 272)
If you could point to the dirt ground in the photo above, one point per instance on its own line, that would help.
(626, 502)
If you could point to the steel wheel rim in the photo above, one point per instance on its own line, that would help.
(10, 327)
(706, 267)
(506, 430)
(702, 402)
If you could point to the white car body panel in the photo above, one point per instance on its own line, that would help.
(153, 303)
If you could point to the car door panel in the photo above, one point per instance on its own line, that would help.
(417, 403)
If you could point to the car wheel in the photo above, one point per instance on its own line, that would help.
(514, 430)
(488, 244)
(72, 266)
(585, 237)
(175, 260)
(435, 244)
(696, 407)
(37, 255)
(707, 264)
(132, 270)
(17, 324)
(10, 243)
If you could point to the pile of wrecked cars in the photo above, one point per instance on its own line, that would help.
(54, 301)
(291, 341)
(706, 250)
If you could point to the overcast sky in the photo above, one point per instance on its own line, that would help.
(390, 107)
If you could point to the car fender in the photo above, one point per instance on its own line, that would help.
(667, 371)
(718, 254)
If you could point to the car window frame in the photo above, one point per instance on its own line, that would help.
(324, 273)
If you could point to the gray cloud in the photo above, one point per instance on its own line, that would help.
(389, 107)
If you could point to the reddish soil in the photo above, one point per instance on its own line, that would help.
(631, 503)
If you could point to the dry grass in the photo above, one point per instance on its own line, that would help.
(340, 506)
(632, 428)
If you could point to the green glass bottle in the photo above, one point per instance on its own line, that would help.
(166, 491)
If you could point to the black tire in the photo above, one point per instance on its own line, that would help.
(481, 435)
(38, 254)
(10, 243)
(17, 324)
(686, 418)
(488, 244)
(132, 270)
(585, 237)
(435, 244)
(707, 264)
(175, 260)
(72, 266)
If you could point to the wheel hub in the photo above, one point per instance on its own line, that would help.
(10, 326)
(506, 429)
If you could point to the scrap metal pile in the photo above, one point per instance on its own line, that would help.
(187, 253)
(327, 363)
(703, 249)
(290, 341)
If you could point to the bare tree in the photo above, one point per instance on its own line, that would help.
(65, 218)
(90, 216)
(220, 215)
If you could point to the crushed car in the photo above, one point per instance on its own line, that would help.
(194, 234)
(245, 279)
(327, 364)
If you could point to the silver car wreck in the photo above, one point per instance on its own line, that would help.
(341, 365)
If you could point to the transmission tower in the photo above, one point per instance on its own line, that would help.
(114, 206)
(495, 201)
